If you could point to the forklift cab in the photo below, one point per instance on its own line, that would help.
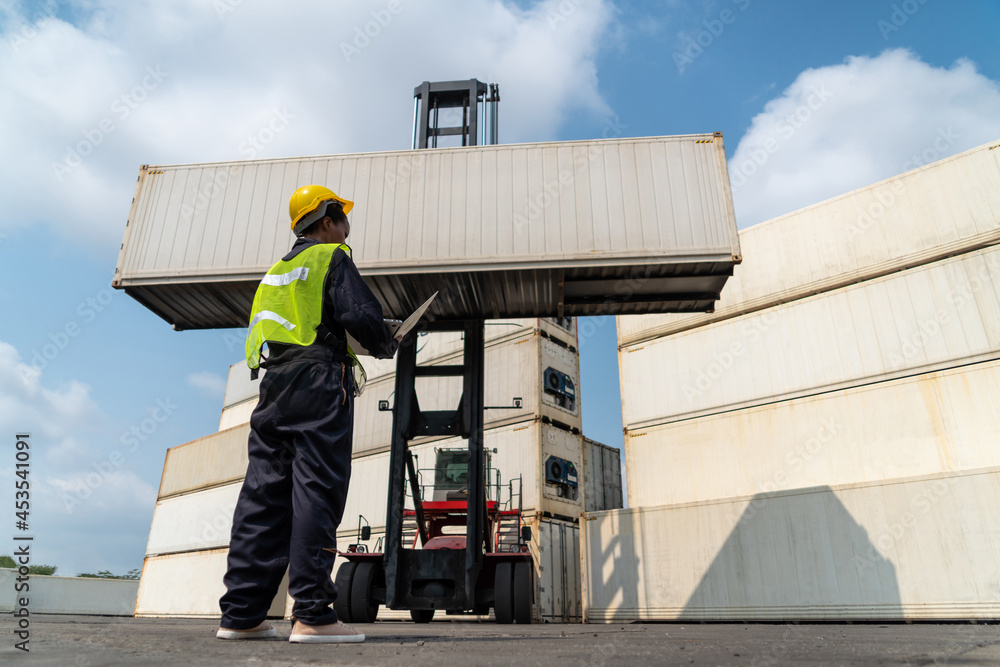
(451, 474)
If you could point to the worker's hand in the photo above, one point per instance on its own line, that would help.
(399, 338)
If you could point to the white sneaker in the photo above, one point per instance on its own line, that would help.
(263, 631)
(334, 633)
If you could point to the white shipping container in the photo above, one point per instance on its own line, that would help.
(193, 521)
(190, 585)
(514, 368)
(47, 594)
(602, 476)
(432, 346)
(202, 519)
(195, 526)
(920, 548)
(555, 547)
(239, 387)
(216, 459)
(552, 227)
(237, 415)
(522, 451)
(242, 392)
(945, 208)
(925, 319)
(448, 346)
(932, 423)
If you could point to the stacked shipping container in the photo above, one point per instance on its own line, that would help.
(189, 536)
(837, 410)
(201, 480)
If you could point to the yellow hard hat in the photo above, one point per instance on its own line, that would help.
(312, 199)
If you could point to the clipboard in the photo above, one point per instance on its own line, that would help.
(396, 328)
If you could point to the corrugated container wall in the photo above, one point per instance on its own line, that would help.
(191, 529)
(439, 347)
(942, 209)
(521, 452)
(49, 594)
(839, 407)
(917, 548)
(926, 424)
(190, 585)
(219, 458)
(202, 519)
(920, 320)
(515, 369)
(530, 230)
(602, 476)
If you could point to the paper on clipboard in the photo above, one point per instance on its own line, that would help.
(396, 328)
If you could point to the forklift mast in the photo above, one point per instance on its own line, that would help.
(450, 573)
(440, 579)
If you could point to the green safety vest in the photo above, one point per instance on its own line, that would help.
(288, 305)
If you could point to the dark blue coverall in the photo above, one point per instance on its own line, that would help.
(301, 431)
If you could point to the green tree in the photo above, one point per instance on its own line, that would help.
(106, 574)
(7, 561)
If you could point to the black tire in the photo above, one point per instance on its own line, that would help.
(524, 592)
(344, 579)
(364, 608)
(422, 615)
(503, 589)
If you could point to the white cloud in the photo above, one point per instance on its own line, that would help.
(102, 489)
(208, 383)
(839, 128)
(25, 404)
(158, 83)
(78, 488)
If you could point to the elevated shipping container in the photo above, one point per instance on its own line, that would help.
(516, 230)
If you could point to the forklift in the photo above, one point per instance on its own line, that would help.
(452, 573)
(487, 567)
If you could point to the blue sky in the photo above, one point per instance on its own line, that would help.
(814, 99)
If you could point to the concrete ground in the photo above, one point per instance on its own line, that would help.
(89, 641)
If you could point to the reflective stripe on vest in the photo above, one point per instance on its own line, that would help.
(288, 305)
(274, 317)
(301, 273)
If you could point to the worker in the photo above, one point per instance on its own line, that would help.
(293, 496)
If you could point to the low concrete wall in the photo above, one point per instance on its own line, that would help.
(69, 595)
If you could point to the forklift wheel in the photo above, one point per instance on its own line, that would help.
(422, 615)
(503, 599)
(345, 577)
(364, 608)
(524, 590)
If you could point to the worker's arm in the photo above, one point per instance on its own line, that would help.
(356, 309)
